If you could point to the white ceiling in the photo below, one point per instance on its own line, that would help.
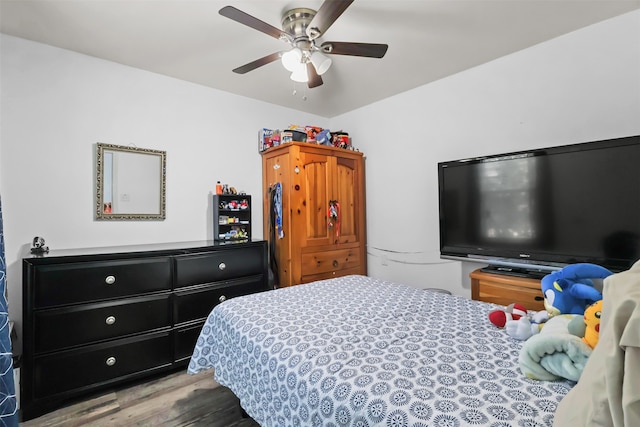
(189, 40)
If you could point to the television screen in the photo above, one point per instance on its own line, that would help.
(544, 208)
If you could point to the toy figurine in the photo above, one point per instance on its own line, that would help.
(39, 246)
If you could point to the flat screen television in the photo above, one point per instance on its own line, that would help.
(539, 210)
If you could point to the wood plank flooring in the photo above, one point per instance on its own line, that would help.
(177, 400)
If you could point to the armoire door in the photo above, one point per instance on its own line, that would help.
(314, 192)
(346, 192)
(276, 170)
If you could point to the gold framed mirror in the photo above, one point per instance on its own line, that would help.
(130, 183)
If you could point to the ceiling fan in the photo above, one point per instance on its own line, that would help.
(301, 27)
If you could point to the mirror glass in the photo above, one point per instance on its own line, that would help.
(130, 183)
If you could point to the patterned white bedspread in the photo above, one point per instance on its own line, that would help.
(356, 351)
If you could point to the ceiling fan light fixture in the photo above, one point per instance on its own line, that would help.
(292, 59)
(302, 29)
(320, 62)
(300, 75)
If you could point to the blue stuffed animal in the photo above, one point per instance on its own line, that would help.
(570, 290)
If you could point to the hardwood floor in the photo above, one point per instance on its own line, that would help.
(177, 400)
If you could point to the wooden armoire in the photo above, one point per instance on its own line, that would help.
(322, 215)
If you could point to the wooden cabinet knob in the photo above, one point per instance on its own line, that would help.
(110, 280)
(110, 361)
(110, 320)
(335, 263)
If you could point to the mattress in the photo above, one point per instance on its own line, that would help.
(358, 351)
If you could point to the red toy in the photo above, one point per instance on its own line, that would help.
(513, 312)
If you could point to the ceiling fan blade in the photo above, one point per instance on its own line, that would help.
(257, 63)
(326, 16)
(314, 79)
(370, 50)
(248, 20)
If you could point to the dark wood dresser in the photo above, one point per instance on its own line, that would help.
(94, 319)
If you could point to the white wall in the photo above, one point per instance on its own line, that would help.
(580, 87)
(56, 105)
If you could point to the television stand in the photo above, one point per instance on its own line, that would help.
(532, 273)
(504, 289)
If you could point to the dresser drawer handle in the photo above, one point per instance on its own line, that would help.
(222, 266)
(110, 320)
(335, 263)
(111, 361)
(539, 298)
(222, 298)
(110, 280)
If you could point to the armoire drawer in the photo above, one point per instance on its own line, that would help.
(194, 269)
(330, 261)
(331, 274)
(101, 363)
(69, 283)
(90, 323)
(196, 304)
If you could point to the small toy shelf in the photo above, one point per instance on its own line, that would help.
(231, 217)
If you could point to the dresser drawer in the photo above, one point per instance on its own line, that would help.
(330, 261)
(185, 341)
(60, 284)
(194, 269)
(100, 364)
(89, 323)
(504, 290)
(196, 304)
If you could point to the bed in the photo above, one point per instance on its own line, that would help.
(357, 351)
